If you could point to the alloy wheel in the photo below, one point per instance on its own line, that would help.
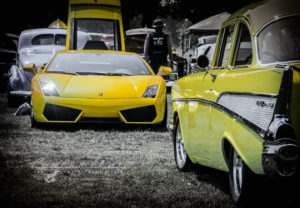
(180, 150)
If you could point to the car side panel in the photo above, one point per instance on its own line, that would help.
(265, 81)
(247, 142)
(181, 108)
(199, 116)
(244, 140)
(199, 130)
(191, 112)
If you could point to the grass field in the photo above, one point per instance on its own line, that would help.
(98, 166)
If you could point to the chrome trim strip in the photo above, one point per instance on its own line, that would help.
(234, 115)
(247, 94)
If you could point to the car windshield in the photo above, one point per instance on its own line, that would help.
(280, 41)
(98, 63)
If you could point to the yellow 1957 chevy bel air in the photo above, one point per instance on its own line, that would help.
(243, 115)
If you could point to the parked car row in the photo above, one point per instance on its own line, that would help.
(38, 46)
(35, 46)
(237, 110)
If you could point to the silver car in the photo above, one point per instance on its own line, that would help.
(35, 46)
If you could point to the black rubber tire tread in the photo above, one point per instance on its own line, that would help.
(163, 124)
(33, 122)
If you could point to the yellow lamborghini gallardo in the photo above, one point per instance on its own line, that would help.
(99, 87)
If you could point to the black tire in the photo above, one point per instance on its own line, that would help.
(163, 124)
(182, 159)
(33, 122)
(240, 179)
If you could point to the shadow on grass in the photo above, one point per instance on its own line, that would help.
(216, 178)
(268, 192)
(102, 127)
(15, 190)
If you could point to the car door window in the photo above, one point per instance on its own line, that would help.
(60, 40)
(47, 39)
(224, 46)
(243, 51)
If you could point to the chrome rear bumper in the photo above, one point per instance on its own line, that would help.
(280, 159)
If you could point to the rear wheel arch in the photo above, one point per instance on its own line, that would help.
(226, 148)
(175, 115)
(228, 144)
(242, 189)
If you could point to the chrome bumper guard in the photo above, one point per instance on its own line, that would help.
(280, 159)
(170, 128)
(21, 93)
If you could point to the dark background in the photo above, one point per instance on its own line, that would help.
(17, 16)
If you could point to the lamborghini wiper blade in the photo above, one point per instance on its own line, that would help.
(104, 74)
(63, 72)
(119, 74)
(92, 73)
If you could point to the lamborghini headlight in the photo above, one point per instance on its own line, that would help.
(151, 91)
(49, 89)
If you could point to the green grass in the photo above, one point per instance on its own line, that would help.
(99, 166)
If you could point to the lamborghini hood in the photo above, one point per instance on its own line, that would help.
(100, 87)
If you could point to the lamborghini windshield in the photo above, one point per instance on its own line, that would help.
(280, 41)
(98, 63)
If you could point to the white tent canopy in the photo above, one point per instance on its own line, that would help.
(209, 25)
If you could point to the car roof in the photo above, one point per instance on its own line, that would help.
(209, 25)
(139, 31)
(261, 13)
(27, 35)
(44, 30)
(90, 51)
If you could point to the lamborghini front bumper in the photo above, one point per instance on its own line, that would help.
(73, 110)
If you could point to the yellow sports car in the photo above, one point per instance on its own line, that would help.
(98, 86)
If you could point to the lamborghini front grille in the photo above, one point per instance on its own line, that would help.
(60, 113)
(142, 114)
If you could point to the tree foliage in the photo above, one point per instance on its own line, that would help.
(194, 10)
